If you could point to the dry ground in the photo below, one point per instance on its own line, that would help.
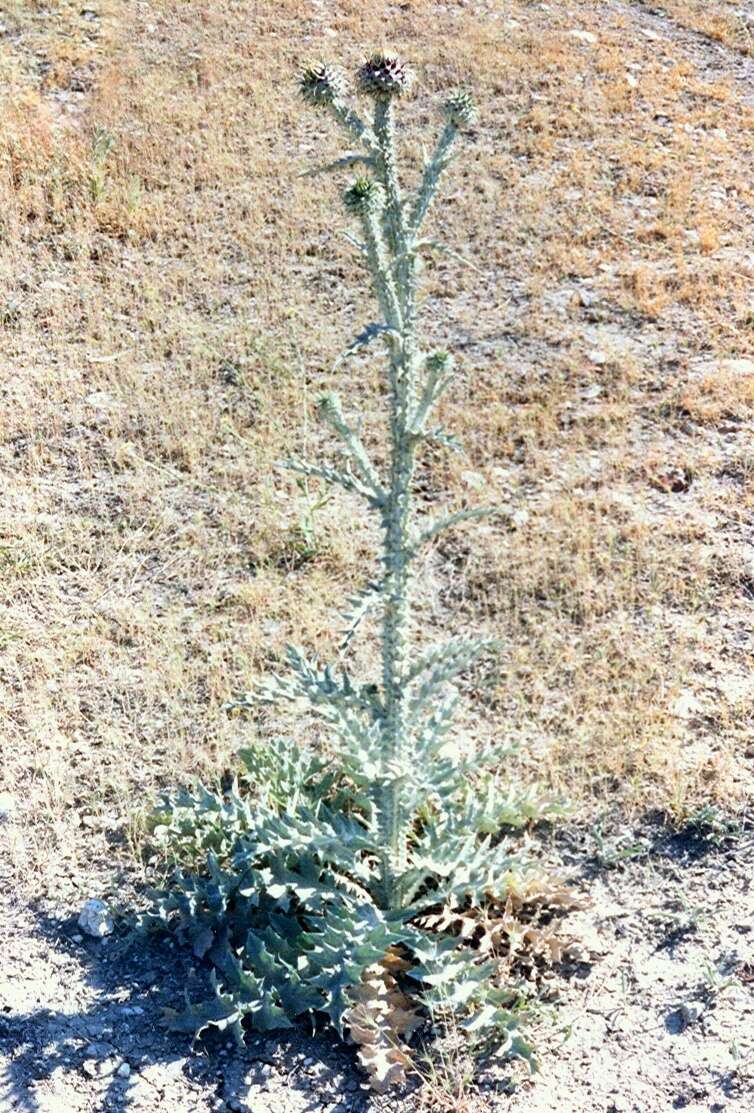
(173, 295)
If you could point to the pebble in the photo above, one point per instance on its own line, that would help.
(691, 1011)
(7, 807)
(101, 1068)
(737, 366)
(96, 919)
(588, 37)
(98, 1050)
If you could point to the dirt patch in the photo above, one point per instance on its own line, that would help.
(659, 1016)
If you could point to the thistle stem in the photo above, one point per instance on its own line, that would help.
(431, 176)
(390, 227)
(387, 171)
(397, 755)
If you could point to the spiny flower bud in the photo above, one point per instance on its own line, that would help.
(365, 196)
(440, 362)
(384, 75)
(327, 404)
(460, 109)
(322, 84)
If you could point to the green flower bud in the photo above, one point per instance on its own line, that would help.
(365, 196)
(384, 75)
(440, 362)
(322, 84)
(460, 109)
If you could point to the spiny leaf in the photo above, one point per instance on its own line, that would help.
(460, 516)
(344, 163)
(440, 437)
(346, 479)
(380, 1020)
(365, 337)
(358, 608)
(441, 664)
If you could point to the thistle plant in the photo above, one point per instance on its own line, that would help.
(365, 886)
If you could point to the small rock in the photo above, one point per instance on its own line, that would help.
(7, 807)
(123, 1070)
(474, 479)
(99, 400)
(737, 366)
(686, 706)
(588, 37)
(99, 1050)
(691, 1011)
(96, 919)
(77, 938)
(101, 1068)
(106, 1067)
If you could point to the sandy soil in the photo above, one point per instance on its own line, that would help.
(659, 1016)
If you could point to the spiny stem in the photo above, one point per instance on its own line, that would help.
(390, 227)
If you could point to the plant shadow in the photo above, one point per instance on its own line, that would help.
(105, 1046)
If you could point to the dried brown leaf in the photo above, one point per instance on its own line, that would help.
(380, 1020)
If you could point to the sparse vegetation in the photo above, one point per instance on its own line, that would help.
(154, 342)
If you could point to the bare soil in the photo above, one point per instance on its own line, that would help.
(656, 1015)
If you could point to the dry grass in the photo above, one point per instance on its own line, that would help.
(726, 21)
(173, 294)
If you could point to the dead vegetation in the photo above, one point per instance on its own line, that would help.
(172, 299)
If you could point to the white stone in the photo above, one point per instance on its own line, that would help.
(96, 919)
(738, 366)
(686, 706)
(7, 807)
(583, 36)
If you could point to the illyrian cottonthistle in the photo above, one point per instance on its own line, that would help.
(360, 886)
(321, 84)
(365, 197)
(384, 76)
(460, 109)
